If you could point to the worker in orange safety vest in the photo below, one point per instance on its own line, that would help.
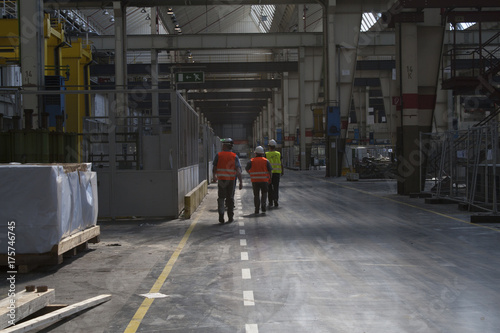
(226, 168)
(259, 169)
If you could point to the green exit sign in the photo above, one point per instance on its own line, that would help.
(190, 77)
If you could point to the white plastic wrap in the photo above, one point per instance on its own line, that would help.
(47, 202)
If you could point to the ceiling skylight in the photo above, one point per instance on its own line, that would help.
(368, 20)
(463, 25)
(263, 16)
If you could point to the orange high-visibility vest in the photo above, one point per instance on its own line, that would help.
(258, 172)
(226, 165)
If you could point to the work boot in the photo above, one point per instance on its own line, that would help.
(263, 208)
(276, 203)
(256, 211)
(230, 218)
(270, 203)
(221, 218)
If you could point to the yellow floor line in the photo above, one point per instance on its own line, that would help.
(146, 304)
(407, 204)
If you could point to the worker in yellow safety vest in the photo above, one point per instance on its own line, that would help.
(259, 169)
(277, 164)
(226, 168)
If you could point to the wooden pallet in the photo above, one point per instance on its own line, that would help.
(67, 247)
(25, 304)
(36, 305)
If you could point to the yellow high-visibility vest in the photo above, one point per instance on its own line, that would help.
(274, 158)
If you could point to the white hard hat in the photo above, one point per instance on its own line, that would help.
(272, 143)
(227, 141)
(259, 150)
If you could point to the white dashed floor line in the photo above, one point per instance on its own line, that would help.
(245, 274)
(251, 328)
(248, 299)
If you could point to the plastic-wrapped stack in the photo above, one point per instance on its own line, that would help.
(47, 202)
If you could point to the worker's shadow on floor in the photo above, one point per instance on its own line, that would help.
(253, 215)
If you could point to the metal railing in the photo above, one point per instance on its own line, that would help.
(472, 62)
(9, 9)
(464, 165)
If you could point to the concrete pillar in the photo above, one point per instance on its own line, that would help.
(254, 133)
(301, 10)
(408, 129)
(389, 87)
(343, 24)
(32, 48)
(367, 116)
(265, 126)
(155, 100)
(277, 112)
(258, 128)
(271, 118)
(302, 108)
(120, 12)
(286, 111)
(419, 54)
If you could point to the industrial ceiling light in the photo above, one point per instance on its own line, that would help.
(111, 19)
(143, 10)
(170, 11)
(148, 17)
(105, 12)
(177, 27)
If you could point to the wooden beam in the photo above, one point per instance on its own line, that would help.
(57, 315)
(27, 303)
(79, 238)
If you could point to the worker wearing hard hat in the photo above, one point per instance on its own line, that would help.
(259, 169)
(276, 162)
(226, 168)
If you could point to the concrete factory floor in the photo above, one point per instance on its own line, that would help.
(335, 256)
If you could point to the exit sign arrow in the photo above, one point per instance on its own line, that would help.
(191, 77)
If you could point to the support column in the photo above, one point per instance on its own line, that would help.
(265, 126)
(32, 47)
(389, 88)
(278, 114)
(368, 122)
(302, 108)
(408, 76)
(120, 12)
(261, 128)
(419, 53)
(344, 22)
(271, 118)
(254, 132)
(286, 113)
(77, 58)
(155, 100)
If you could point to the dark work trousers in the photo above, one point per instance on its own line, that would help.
(260, 194)
(226, 194)
(274, 188)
